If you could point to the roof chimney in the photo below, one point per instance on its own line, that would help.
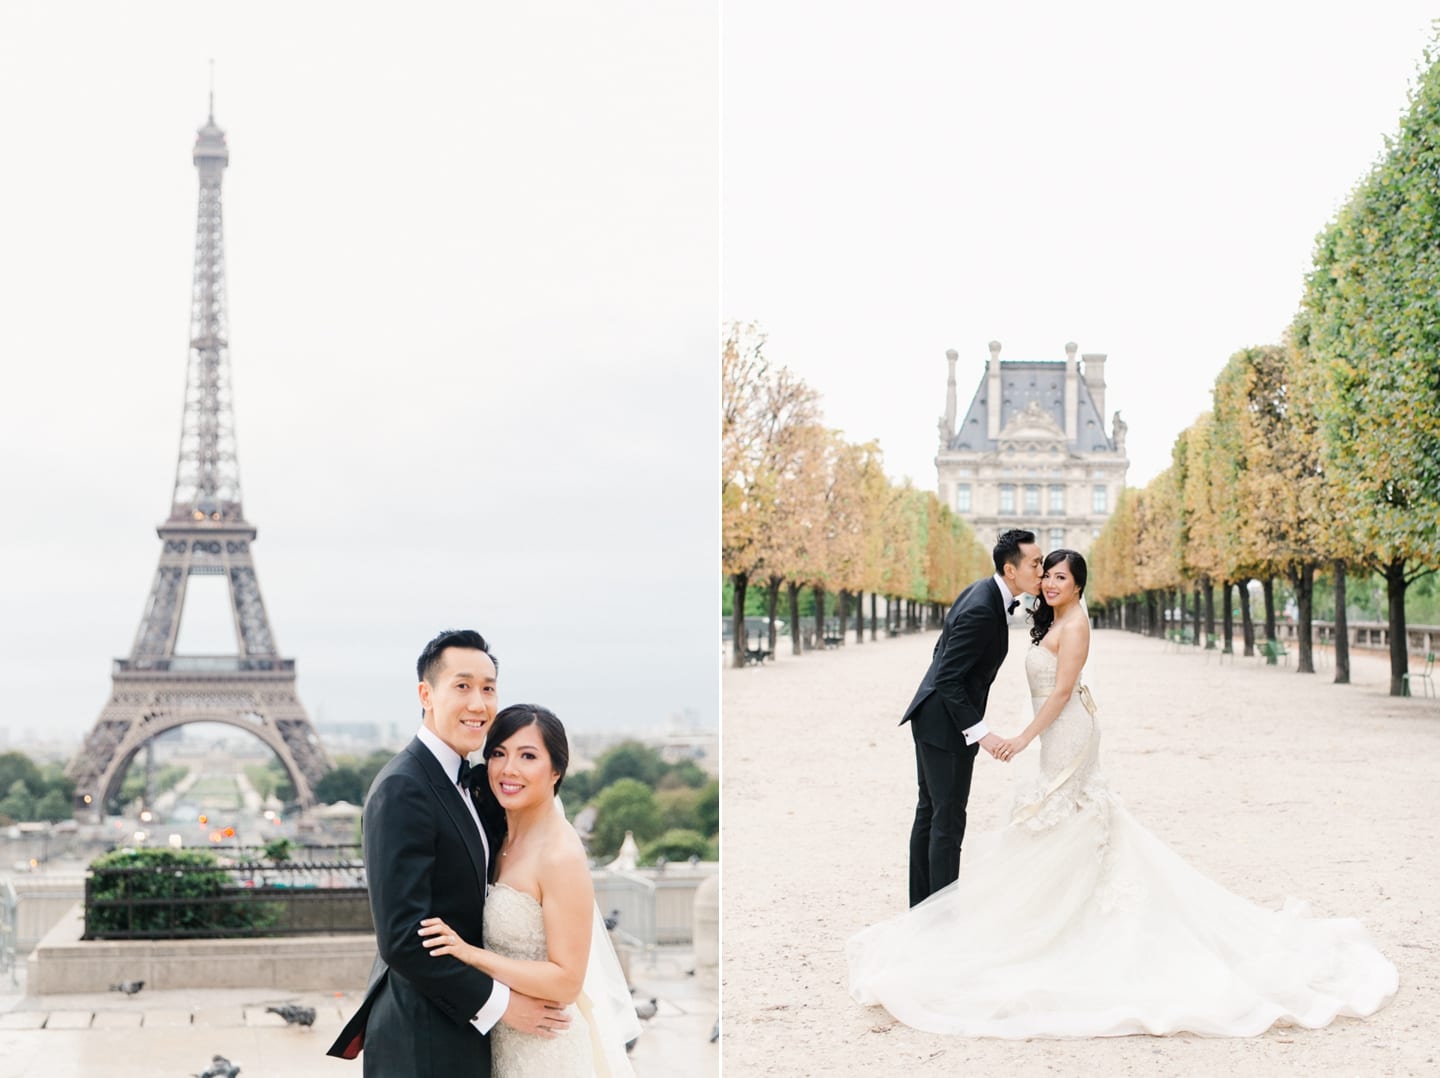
(993, 393)
(1072, 393)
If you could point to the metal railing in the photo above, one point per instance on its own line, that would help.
(320, 889)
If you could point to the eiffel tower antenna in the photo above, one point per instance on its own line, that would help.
(206, 534)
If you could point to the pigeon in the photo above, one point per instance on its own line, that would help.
(647, 1010)
(220, 1067)
(128, 987)
(294, 1015)
(715, 1033)
(612, 920)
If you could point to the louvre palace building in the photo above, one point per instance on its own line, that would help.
(1031, 450)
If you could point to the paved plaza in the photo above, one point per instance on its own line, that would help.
(1271, 782)
(175, 1033)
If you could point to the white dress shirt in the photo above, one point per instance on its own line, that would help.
(449, 760)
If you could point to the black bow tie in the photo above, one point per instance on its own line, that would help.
(465, 777)
(1013, 604)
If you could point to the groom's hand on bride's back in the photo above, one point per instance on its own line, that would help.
(542, 1017)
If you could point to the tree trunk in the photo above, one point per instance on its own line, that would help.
(819, 616)
(1342, 627)
(1303, 577)
(794, 593)
(1267, 587)
(772, 602)
(1399, 646)
(1247, 623)
(1227, 614)
(873, 604)
(842, 609)
(1152, 612)
(860, 617)
(1207, 588)
(737, 620)
(1199, 638)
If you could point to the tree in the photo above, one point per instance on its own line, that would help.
(762, 411)
(55, 805)
(675, 845)
(19, 802)
(628, 805)
(340, 784)
(707, 808)
(629, 760)
(16, 766)
(678, 808)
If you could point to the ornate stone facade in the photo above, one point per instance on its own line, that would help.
(1031, 450)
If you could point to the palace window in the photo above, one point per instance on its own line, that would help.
(1098, 501)
(962, 497)
(1057, 498)
(1007, 497)
(1057, 538)
(1032, 497)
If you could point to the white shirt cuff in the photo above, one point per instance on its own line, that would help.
(494, 1009)
(975, 733)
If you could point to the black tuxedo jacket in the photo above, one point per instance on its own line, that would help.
(973, 643)
(423, 858)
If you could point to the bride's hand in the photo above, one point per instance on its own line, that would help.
(1008, 747)
(442, 940)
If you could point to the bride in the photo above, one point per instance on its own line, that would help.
(1075, 921)
(543, 932)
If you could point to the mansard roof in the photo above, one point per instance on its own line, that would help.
(1025, 385)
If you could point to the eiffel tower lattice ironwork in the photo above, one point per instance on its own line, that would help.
(155, 689)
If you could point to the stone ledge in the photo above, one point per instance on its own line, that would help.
(63, 963)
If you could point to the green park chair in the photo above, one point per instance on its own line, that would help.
(1273, 651)
(1426, 675)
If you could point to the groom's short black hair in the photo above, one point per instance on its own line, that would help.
(1007, 547)
(450, 638)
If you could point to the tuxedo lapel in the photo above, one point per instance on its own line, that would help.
(459, 816)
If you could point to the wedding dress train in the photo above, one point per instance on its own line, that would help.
(1075, 921)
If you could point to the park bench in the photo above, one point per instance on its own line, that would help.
(834, 641)
(1272, 651)
(757, 656)
(1426, 675)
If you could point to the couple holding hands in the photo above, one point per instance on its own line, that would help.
(1074, 920)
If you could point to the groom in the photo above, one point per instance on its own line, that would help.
(427, 855)
(947, 715)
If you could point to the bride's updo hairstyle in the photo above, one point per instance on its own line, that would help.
(552, 733)
(1042, 613)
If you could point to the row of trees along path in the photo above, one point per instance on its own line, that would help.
(803, 507)
(1322, 450)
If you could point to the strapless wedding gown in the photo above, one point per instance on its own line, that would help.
(515, 927)
(1075, 921)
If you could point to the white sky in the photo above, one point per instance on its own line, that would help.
(473, 269)
(1144, 179)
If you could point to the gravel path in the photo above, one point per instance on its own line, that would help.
(1270, 782)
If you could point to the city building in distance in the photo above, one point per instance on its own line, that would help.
(1031, 450)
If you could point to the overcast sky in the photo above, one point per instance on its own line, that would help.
(473, 277)
(1144, 179)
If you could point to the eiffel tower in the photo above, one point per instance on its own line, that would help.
(155, 689)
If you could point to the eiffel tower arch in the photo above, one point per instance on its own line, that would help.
(206, 534)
